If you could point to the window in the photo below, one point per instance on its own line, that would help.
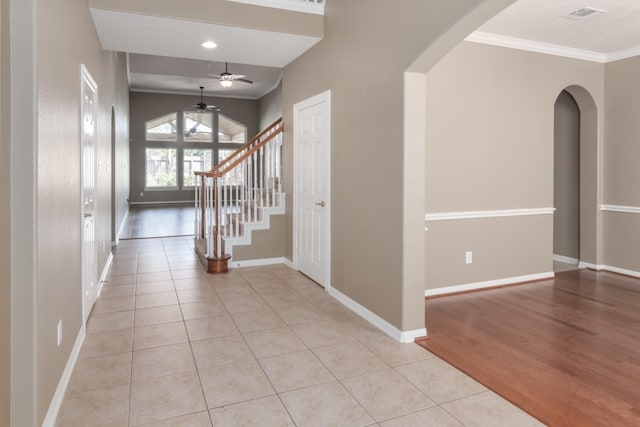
(162, 128)
(161, 169)
(224, 153)
(183, 142)
(194, 160)
(198, 126)
(230, 131)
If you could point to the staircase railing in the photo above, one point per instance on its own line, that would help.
(232, 192)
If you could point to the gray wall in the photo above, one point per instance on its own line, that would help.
(566, 177)
(270, 107)
(145, 106)
(622, 175)
(490, 130)
(363, 67)
(5, 220)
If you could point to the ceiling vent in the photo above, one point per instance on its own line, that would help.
(585, 12)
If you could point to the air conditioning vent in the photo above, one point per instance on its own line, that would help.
(585, 12)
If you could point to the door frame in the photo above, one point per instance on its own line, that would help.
(321, 98)
(85, 76)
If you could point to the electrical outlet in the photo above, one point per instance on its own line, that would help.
(468, 257)
(59, 332)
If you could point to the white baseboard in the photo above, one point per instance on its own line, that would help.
(58, 396)
(258, 262)
(583, 264)
(377, 321)
(566, 259)
(124, 221)
(288, 263)
(105, 270)
(487, 284)
(612, 269)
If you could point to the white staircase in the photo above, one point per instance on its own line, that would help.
(238, 196)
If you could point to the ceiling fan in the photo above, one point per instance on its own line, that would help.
(201, 107)
(227, 79)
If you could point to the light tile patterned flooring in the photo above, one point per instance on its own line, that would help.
(168, 345)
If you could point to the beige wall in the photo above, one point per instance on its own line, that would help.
(5, 221)
(490, 129)
(566, 177)
(502, 248)
(621, 167)
(264, 243)
(363, 67)
(57, 194)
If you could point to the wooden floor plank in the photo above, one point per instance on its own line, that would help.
(566, 350)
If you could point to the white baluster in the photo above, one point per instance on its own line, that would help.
(255, 187)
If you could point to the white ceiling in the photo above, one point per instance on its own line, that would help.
(612, 34)
(150, 73)
(166, 55)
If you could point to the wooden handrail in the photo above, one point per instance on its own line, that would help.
(256, 182)
(246, 155)
(243, 147)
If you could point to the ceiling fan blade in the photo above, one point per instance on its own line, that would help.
(214, 75)
(244, 81)
(237, 76)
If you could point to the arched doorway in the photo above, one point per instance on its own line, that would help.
(585, 211)
(566, 182)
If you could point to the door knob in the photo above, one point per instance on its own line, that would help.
(321, 204)
(88, 214)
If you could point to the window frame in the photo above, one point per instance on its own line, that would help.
(181, 144)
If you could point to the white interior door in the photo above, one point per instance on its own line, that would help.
(312, 132)
(88, 114)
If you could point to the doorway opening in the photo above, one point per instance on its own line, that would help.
(575, 179)
(566, 183)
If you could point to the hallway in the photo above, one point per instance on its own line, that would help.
(145, 222)
(264, 346)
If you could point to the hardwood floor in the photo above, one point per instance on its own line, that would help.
(566, 350)
(158, 221)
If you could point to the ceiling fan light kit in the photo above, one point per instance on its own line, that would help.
(227, 79)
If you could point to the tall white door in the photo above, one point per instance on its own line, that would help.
(88, 114)
(312, 132)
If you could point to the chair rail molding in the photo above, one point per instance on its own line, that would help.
(619, 208)
(444, 216)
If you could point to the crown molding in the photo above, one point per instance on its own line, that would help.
(538, 47)
(623, 54)
(551, 49)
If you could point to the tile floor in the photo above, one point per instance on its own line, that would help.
(168, 345)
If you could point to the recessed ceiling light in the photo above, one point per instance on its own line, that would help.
(209, 44)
